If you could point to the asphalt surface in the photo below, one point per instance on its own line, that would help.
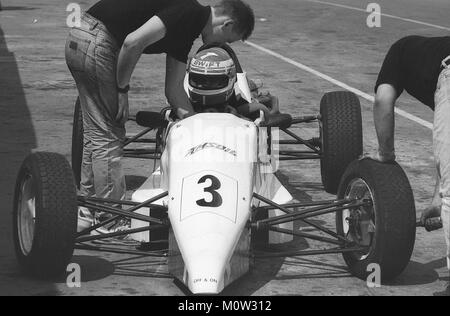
(37, 95)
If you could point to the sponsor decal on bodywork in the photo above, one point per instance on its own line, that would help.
(211, 145)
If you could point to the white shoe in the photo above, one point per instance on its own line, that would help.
(123, 240)
(445, 292)
(85, 219)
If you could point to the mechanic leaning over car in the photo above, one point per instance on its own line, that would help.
(103, 52)
(421, 66)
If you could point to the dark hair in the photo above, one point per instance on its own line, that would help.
(241, 13)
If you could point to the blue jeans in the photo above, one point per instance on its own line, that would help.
(91, 55)
(441, 140)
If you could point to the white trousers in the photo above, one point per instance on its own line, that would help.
(441, 144)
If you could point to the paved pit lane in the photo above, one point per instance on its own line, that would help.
(37, 95)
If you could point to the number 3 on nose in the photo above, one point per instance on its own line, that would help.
(216, 200)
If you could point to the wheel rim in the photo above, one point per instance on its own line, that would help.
(26, 215)
(359, 223)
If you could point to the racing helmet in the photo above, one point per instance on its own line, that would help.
(211, 78)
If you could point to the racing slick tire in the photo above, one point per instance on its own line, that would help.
(387, 228)
(77, 142)
(341, 136)
(44, 215)
(259, 238)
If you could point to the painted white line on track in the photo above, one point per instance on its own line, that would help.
(360, 93)
(382, 14)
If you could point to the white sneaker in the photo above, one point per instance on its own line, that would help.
(112, 228)
(121, 225)
(445, 292)
(85, 219)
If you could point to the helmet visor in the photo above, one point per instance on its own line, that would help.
(208, 82)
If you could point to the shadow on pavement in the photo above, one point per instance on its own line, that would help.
(420, 273)
(134, 182)
(17, 140)
(93, 268)
(142, 266)
(267, 269)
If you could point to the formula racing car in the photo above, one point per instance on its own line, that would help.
(216, 196)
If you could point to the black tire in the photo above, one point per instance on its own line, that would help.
(393, 214)
(47, 179)
(77, 142)
(259, 238)
(341, 136)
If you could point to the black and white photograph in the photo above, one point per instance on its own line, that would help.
(224, 154)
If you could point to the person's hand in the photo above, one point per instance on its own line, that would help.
(434, 210)
(254, 86)
(381, 156)
(183, 113)
(123, 110)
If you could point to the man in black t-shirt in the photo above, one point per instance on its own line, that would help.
(420, 66)
(103, 52)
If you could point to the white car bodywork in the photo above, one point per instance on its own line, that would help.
(206, 157)
(211, 165)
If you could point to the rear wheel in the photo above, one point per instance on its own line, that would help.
(259, 237)
(386, 228)
(45, 215)
(341, 136)
(77, 142)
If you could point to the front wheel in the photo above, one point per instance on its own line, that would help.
(259, 237)
(45, 215)
(386, 228)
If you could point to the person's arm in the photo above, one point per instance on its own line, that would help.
(434, 210)
(437, 200)
(248, 108)
(174, 88)
(133, 47)
(384, 118)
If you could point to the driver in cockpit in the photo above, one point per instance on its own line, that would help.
(215, 82)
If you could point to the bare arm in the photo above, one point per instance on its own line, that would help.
(384, 118)
(435, 209)
(129, 54)
(437, 200)
(248, 108)
(135, 43)
(175, 93)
